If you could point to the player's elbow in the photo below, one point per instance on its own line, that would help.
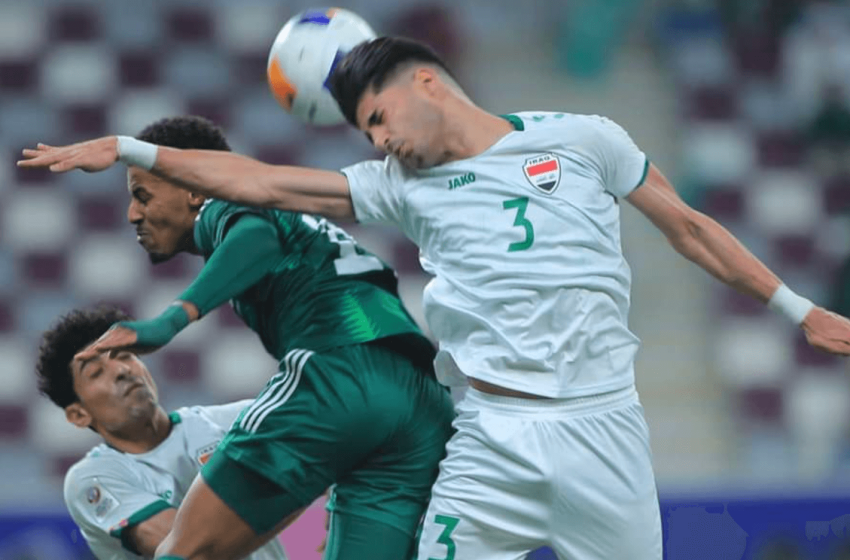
(688, 234)
(252, 193)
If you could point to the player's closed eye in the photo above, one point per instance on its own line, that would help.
(141, 196)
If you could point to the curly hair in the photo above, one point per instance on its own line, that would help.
(186, 132)
(372, 64)
(70, 334)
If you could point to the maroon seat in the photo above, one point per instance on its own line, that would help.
(190, 24)
(101, 213)
(14, 421)
(45, 269)
(780, 149)
(181, 366)
(138, 69)
(765, 404)
(73, 23)
(712, 104)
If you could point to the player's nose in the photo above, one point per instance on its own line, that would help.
(381, 140)
(134, 215)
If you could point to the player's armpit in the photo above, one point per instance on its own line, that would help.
(146, 536)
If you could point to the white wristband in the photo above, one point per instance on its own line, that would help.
(791, 305)
(137, 153)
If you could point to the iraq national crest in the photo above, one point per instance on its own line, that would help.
(543, 172)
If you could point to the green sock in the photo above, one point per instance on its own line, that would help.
(171, 558)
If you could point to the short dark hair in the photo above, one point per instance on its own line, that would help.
(372, 64)
(70, 334)
(185, 132)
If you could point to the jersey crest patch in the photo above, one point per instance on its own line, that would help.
(543, 172)
(204, 453)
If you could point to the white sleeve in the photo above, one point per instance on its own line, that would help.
(622, 166)
(224, 414)
(105, 498)
(375, 189)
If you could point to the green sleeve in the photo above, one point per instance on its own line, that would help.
(249, 249)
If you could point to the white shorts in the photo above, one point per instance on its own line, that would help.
(571, 474)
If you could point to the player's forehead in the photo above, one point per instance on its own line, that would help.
(139, 178)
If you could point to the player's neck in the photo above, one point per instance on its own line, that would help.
(142, 437)
(471, 130)
(187, 243)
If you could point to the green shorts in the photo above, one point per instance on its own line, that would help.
(364, 418)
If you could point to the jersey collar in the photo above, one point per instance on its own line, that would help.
(515, 121)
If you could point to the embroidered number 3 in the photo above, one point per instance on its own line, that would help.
(446, 536)
(521, 204)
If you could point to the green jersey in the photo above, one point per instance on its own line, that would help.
(325, 291)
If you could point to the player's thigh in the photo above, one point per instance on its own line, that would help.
(205, 527)
(351, 537)
(480, 507)
(610, 498)
(393, 486)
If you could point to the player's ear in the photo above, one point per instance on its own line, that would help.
(196, 201)
(427, 79)
(424, 75)
(77, 415)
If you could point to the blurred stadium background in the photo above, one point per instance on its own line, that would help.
(745, 104)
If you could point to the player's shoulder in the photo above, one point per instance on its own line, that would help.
(214, 208)
(189, 414)
(389, 169)
(575, 123)
(101, 460)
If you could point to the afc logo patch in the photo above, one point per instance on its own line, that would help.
(543, 172)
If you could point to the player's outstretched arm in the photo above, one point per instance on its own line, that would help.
(214, 174)
(249, 251)
(708, 244)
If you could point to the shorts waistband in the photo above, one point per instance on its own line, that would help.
(575, 406)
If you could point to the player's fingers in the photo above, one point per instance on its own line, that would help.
(35, 158)
(87, 353)
(64, 165)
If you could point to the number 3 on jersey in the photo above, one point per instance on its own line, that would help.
(521, 204)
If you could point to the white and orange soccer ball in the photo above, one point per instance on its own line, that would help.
(304, 54)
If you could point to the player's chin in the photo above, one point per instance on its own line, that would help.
(156, 257)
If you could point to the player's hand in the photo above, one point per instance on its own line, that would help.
(827, 331)
(118, 337)
(91, 156)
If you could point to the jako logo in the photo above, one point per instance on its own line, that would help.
(461, 181)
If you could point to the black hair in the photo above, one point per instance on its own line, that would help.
(372, 64)
(186, 132)
(70, 334)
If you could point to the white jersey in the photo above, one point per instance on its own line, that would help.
(531, 290)
(109, 491)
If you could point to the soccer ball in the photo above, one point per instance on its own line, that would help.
(303, 56)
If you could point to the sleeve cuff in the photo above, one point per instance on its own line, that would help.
(642, 176)
(119, 531)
